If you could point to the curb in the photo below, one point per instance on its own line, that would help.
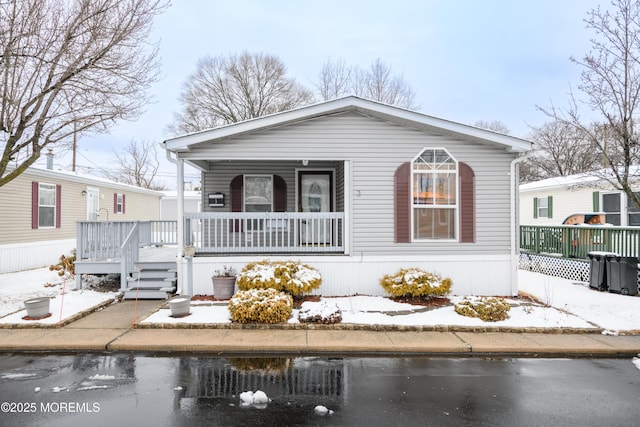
(379, 328)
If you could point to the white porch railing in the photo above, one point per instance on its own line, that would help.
(103, 239)
(265, 232)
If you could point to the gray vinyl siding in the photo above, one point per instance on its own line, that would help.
(220, 174)
(375, 149)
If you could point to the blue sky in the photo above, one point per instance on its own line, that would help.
(466, 60)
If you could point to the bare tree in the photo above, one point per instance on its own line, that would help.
(334, 80)
(560, 150)
(610, 81)
(493, 125)
(137, 165)
(70, 66)
(226, 90)
(377, 83)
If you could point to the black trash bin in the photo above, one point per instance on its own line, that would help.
(597, 270)
(622, 275)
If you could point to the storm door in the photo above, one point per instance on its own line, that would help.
(315, 195)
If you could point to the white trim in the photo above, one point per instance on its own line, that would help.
(348, 212)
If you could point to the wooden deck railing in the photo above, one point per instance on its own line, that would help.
(265, 232)
(572, 241)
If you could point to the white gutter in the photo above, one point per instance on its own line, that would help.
(513, 223)
(180, 199)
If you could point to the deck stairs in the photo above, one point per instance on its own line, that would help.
(153, 280)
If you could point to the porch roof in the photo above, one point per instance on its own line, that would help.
(375, 109)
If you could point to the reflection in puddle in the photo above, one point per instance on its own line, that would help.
(290, 378)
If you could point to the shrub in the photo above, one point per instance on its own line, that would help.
(415, 282)
(486, 309)
(65, 265)
(261, 306)
(287, 276)
(320, 312)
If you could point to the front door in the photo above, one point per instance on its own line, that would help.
(315, 194)
(93, 203)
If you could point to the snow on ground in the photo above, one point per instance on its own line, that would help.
(65, 300)
(566, 304)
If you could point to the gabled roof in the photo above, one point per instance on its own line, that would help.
(375, 109)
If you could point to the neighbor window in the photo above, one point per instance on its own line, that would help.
(543, 207)
(118, 203)
(46, 205)
(434, 176)
(611, 207)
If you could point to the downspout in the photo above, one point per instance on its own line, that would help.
(180, 237)
(514, 221)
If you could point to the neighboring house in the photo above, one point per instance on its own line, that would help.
(357, 189)
(41, 206)
(551, 201)
(169, 204)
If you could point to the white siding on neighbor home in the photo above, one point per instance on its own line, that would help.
(376, 149)
(565, 202)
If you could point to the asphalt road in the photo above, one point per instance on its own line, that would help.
(143, 390)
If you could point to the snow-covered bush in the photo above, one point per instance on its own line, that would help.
(292, 277)
(320, 312)
(261, 306)
(415, 282)
(486, 309)
(264, 364)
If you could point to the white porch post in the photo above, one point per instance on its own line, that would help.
(180, 197)
(348, 191)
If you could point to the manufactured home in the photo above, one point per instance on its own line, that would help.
(356, 188)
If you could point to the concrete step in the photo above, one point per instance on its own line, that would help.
(158, 293)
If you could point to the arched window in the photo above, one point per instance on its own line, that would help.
(434, 199)
(434, 195)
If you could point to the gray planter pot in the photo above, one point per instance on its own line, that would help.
(223, 287)
(180, 306)
(37, 307)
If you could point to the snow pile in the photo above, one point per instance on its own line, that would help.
(322, 410)
(322, 312)
(258, 400)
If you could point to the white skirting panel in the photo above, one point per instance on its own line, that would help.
(25, 256)
(345, 275)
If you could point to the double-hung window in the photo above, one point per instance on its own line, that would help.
(434, 201)
(46, 205)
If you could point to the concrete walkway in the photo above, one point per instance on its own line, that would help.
(113, 329)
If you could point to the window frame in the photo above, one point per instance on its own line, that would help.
(119, 204)
(47, 187)
(435, 206)
(244, 192)
(542, 211)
